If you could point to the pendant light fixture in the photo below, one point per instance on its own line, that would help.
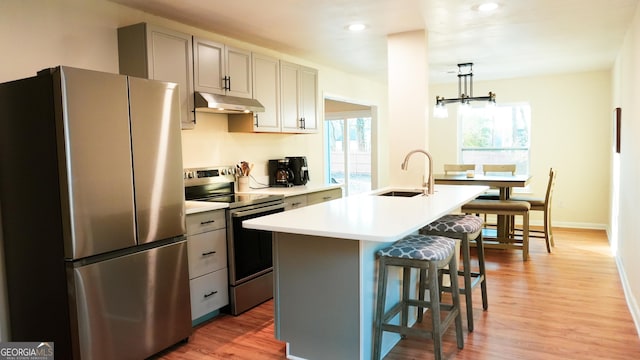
(465, 93)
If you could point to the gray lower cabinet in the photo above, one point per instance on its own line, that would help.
(207, 252)
(322, 196)
(294, 202)
(298, 201)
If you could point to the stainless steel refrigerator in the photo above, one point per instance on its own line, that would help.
(93, 221)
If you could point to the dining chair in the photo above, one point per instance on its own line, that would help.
(499, 168)
(456, 168)
(493, 193)
(544, 205)
(488, 169)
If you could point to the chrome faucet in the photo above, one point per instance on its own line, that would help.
(428, 184)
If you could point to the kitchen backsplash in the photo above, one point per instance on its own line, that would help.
(209, 143)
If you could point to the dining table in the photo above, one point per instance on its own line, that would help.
(504, 183)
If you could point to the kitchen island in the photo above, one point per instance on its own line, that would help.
(325, 266)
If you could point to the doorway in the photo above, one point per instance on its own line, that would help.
(349, 133)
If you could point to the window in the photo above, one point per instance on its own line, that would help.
(498, 135)
(348, 151)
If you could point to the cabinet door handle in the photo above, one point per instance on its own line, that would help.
(302, 124)
(210, 294)
(208, 253)
(226, 83)
(207, 222)
(255, 116)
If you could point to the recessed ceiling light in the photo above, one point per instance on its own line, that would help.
(486, 7)
(356, 27)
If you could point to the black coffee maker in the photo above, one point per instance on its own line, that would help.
(300, 169)
(279, 173)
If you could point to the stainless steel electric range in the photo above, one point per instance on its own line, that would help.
(250, 255)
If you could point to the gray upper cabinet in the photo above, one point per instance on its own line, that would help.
(266, 89)
(298, 98)
(153, 52)
(221, 69)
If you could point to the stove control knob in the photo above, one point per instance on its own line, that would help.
(223, 171)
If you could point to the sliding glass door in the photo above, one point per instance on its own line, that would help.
(348, 151)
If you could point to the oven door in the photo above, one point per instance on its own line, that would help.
(250, 251)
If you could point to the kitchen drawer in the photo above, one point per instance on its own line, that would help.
(322, 196)
(207, 252)
(209, 293)
(294, 202)
(205, 221)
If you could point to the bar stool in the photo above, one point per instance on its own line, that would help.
(509, 208)
(430, 254)
(466, 228)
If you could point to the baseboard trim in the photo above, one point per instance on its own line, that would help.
(631, 301)
(575, 225)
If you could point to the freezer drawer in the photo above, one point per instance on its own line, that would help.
(133, 306)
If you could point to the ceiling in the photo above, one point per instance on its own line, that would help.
(520, 38)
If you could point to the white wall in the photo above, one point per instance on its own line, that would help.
(571, 132)
(82, 33)
(624, 235)
(408, 71)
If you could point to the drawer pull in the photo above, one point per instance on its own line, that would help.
(326, 197)
(207, 222)
(296, 203)
(210, 294)
(208, 253)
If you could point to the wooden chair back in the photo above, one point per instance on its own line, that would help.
(552, 183)
(454, 168)
(499, 168)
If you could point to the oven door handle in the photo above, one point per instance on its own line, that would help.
(257, 211)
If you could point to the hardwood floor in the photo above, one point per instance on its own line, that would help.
(564, 305)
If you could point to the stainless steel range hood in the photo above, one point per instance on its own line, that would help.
(226, 104)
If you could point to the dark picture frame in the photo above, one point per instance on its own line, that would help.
(617, 120)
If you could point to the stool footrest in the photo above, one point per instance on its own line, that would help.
(477, 280)
(451, 316)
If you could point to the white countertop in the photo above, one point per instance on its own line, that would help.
(193, 207)
(369, 217)
(293, 190)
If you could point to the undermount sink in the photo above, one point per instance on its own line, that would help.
(402, 193)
